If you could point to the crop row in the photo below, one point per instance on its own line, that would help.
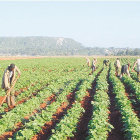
(131, 124)
(35, 123)
(132, 85)
(99, 125)
(68, 125)
(28, 107)
(40, 81)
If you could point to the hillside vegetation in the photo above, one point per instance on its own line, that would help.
(54, 46)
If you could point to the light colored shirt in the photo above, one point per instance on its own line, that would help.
(118, 64)
(11, 74)
(6, 83)
(93, 63)
(138, 65)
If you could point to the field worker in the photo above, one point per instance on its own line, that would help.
(105, 62)
(94, 61)
(88, 61)
(7, 81)
(118, 66)
(125, 70)
(138, 68)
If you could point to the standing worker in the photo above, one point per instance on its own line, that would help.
(94, 61)
(125, 70)
(118, 66)
(88, 61)
(8, 79)
(138, 68)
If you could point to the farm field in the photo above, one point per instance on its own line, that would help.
(60, 99)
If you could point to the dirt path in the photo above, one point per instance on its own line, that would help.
(19, 57)
(20, 125)
(135, 104)
(115, 117)
(131, 96)
(16, 93)
(48, 126)
(33, 94)
(82, 127)
(85, 118)
(46, 131)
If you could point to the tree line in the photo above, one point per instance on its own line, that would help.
(55, 46)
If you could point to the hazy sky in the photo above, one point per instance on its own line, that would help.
(103, 24)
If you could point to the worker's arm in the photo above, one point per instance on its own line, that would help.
(134, 66)
(15, 79)
(6, 81)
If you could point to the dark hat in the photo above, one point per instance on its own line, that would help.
(12, 66)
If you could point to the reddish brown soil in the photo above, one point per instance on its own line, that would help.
(46, 129)
(9, 134)
(9, 108)
(46, 132)
(71, 70)
(115, 118)
(135, 105)
(61, 111)
(23, 89)
(18, 103)
(25, 70)
(19, 125)
(16, 57)
(116, 133)
(82, 127)
(21, 101)
(42, 106)
(71, 98)
(25, 99)
(1, 99)
(16, 94)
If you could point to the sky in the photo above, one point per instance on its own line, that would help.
(94, 24)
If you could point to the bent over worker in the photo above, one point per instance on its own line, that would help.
(106, 62)
(138, 68)
(118, 66)
(88, 61)
(125, 70)
(8, 79)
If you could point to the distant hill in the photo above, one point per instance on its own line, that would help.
(39, 46)
(52, 46)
